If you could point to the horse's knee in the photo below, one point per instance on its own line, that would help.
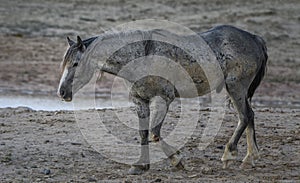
(144, 137)
(143, 112)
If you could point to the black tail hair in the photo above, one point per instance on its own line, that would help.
(261, 71)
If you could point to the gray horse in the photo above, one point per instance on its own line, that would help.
(241, 56)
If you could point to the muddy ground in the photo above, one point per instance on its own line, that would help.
(42, 146)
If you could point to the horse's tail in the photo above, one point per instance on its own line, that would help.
(261, 71)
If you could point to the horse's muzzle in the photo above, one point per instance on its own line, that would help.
(65, 95)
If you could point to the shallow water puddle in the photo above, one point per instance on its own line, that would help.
(51, 103)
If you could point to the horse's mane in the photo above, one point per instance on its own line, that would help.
(88, 41)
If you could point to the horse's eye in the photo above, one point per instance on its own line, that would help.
(75, 64)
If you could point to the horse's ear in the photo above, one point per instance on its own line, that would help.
(70, 41)
(80, 44)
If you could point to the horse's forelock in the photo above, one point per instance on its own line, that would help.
(66, 59)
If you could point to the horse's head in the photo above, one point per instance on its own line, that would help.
(72, 70)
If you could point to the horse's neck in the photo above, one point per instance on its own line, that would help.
(122, 48)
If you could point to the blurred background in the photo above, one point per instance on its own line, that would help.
(33, 39)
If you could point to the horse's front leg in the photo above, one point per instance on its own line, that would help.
(159, 109)
(143, 111)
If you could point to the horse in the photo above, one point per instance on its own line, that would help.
(242, 57)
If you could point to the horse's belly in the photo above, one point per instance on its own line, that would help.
(202, 80)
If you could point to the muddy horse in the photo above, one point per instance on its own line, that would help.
(242, 57)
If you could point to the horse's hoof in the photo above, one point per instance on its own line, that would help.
(176, 161)
(227, 163)
(247, 165)
(180, 166)
(249, 161)
(228, 158)
(138, 169)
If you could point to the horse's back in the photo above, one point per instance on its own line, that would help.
(239, 53)
(229, 39)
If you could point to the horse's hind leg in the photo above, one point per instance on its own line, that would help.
(143, 112)
(160, 108)
(238, 94)
(252, 149)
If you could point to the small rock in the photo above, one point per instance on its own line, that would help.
(157, 180)
(193, 138)
(33, 166)
(91, 179)
(76, 143)
(23, 110)
(82, 177)
(178, 177)
(289, 139)
(6, 158)
(2, 143)
(207, 170)
(220, 147)
(111, 19)
(193, 176)
(205, 109)
(46, 171)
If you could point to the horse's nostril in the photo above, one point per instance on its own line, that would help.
(62, 93)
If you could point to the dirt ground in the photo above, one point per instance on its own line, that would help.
(43, 146)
